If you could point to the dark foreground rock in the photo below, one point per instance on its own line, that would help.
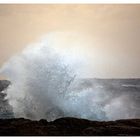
(69, 127)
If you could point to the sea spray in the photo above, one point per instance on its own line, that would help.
(43, 84)
(39, 80)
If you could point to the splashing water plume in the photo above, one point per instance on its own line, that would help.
(41, 87)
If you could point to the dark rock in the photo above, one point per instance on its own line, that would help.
(94, 131)
(6, 111)
(69, 127)
(43, 122)
(4, 84)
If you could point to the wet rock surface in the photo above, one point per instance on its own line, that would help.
(6, 111)
(69, 127)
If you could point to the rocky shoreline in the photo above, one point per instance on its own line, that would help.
(69, 127)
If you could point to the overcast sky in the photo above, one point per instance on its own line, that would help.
(111, 33)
